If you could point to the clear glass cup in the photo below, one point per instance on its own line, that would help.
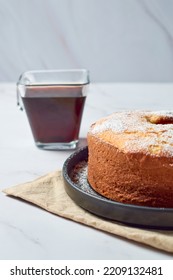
(54, 102)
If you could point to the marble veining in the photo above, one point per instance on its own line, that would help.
(118, 41)
(157, 15)
(21, 232)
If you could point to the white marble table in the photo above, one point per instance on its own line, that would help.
(28, 232)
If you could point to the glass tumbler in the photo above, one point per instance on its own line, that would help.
(54, 102)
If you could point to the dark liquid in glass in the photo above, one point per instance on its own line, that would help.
(54, 119)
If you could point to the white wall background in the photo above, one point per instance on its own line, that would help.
(117, 40)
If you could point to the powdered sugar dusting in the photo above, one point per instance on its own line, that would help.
(140, 131)
(113, 122)
(79, 175)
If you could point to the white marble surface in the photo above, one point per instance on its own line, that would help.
(28, 232)
(117, 40)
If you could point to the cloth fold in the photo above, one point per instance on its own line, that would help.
(48, 193)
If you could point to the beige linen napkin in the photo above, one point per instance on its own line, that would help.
(48, 192)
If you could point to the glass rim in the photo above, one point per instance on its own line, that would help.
(28, 78)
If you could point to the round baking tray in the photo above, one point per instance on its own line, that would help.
(82, 194)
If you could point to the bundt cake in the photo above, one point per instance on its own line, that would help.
(131, 157)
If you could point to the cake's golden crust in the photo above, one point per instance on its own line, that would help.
(140, 178)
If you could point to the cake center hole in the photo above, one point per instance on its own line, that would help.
(160, 119)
